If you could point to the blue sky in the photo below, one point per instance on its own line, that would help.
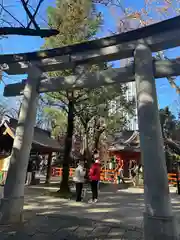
(17, 44)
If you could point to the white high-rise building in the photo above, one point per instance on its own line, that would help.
(132, 122)
(130, 95)
(128, 24)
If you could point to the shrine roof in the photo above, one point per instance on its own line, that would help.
(125, 141)
(129, 141)
(42, 139)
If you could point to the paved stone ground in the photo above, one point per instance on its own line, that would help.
(118, 215)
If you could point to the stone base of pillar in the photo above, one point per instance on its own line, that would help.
(160, 228)
(11, 210)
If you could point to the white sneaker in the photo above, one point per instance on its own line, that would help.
(95, 200)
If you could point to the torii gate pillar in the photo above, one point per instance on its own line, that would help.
(11, 208)
(159, 222)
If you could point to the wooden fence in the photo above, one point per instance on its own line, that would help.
(106, 175)
(172, 177)
(57, 172)
(109, 175)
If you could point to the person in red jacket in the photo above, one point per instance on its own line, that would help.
(94, 176)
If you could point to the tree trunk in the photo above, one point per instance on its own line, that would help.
(97, 138)
(48, 174)
(64, 186)
(86, 140)
(87, 155)
(96, 141)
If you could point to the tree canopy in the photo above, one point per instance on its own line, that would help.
(79, 21)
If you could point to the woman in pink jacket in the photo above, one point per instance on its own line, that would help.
(94, 176)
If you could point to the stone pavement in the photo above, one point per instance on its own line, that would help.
(118, 215)
(69, 228)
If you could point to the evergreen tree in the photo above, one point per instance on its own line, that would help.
(77, 21)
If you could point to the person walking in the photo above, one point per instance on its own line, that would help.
(94, 177)
(96, 159)
(29, 172)
(133, 172)
(79, 177)
(120, 176)
(34, 171)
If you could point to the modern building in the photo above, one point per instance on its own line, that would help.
(132, 122)
(130, 24)
(130, 95)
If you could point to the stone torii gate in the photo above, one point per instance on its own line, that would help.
(159, 222)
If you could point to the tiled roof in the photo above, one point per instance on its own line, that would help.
(126, 141)
(41, 137)
(129, 141)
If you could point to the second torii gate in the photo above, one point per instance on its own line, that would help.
(158, 218)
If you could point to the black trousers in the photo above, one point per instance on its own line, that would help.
(94, 189)
(79, 187)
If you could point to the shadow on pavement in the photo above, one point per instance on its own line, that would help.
(117, 215)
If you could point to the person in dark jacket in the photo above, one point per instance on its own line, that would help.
(94, 177)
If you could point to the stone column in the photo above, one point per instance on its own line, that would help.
(159, 222)
(11, 208)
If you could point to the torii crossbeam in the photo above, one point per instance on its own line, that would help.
(158, 36)
(162, 68)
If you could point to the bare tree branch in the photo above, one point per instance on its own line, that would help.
(22, 30)
(27, 31)
(44, 20)
(29, 14)
(35, 12)
(5, 10)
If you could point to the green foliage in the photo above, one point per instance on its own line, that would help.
(115, 123)
(78, 21)
(97, 103)
(58, 120)
(167, 121)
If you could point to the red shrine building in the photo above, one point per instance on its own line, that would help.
(126, 147)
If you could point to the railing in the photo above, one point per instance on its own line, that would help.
(109, 175)
(57, 172)
(106, 175)
(172, 178)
